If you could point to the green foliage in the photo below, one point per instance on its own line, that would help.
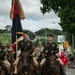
(5, 37)
(43, 33)
(67, 17)
(46, 32)
(2, 31)
(43, 40)
(65, 9)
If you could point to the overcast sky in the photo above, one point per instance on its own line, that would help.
(34, 21)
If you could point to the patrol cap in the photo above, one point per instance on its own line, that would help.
(25, 32)
(51, 35)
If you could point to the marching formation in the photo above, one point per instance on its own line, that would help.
(30, 60)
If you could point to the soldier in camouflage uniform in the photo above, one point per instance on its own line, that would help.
(25, 46)
(50, 49)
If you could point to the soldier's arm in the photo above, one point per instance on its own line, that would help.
(45, 49)
(19, 45)
(56, 48)
(60, 61)
(31, 48)
(3, 54)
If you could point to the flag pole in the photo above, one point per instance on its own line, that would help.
(17, 42)
(16, 45)
(16, 23)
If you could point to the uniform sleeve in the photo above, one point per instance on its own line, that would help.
(45, 48)
(30, 48)
(56, 49)
(20, 44)
(3, 54)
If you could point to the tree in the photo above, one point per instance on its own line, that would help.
(8, 28)
(65, 9)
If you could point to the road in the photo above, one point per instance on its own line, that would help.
(70, 71)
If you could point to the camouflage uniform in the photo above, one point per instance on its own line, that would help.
(49, 50)
(25, 45)
(52, 48)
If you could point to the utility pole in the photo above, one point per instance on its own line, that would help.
(72, 45)
(8, 28)
(46, 36)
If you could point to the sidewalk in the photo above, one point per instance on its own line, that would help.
(70, 71)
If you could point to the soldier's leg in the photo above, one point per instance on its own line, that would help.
(16, 61)
(42, 61)
(15, 64)
(6, 63)
(15, 70)
(35, 61)
(8, 66)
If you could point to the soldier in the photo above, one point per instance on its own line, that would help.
(8, 50)
(2, 58)
(51, 49)
(37, 53)
(25, 46)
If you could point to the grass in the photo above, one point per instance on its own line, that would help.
(5, 38)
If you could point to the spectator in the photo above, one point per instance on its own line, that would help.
(37, 53)
(65, 61)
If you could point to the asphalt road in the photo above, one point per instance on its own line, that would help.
(70, 71)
